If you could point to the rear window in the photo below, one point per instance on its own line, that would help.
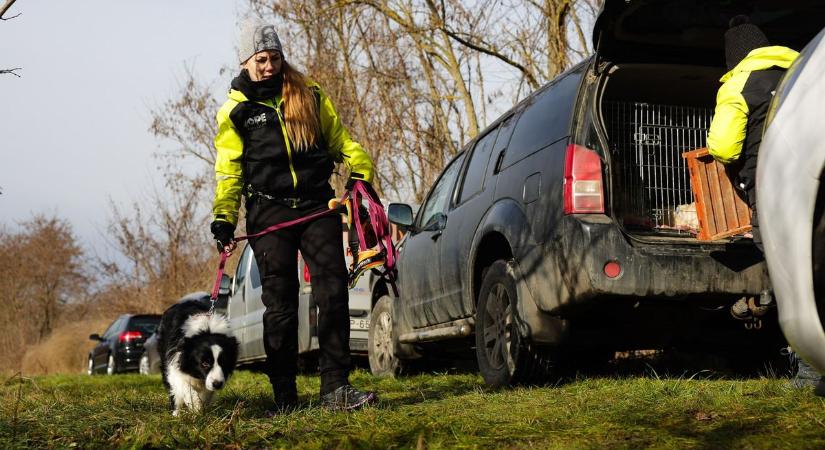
(477, 168)
(145, 324)
(545, 120)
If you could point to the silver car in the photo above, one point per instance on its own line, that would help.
(791, 202)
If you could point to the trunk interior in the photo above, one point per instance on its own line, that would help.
(651, 115)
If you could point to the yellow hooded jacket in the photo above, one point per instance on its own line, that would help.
(299, 173)
(742, 101)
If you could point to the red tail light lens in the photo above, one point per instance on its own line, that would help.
(307, 276)
(583, 193)
(127, 336)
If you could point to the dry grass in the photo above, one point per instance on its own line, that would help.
(65, 350)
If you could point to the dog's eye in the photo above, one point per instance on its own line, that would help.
(205, 364)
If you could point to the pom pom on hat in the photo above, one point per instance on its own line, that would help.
(741, 19)
(741, 38)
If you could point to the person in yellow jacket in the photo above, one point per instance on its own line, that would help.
(755, 69)
(278, 139)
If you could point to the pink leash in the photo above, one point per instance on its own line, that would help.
(378, 220)
(381, 228)
(227, 253)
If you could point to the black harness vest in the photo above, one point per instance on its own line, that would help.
(268, 167)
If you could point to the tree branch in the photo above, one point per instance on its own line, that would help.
(527, 74)
(5, 8)
(11, 71)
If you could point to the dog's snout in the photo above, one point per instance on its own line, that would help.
(217, 384)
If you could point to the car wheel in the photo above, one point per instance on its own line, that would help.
(504, 357)
(143, 365)
(384, 362)
(91, 367)
(111, 367)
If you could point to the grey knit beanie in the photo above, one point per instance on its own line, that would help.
(257, 36)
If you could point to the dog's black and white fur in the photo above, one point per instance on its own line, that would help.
(197, 354)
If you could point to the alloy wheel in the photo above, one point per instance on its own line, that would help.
(110, 366)
(498, 327)
(382, 342)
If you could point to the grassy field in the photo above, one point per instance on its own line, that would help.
(423, 411)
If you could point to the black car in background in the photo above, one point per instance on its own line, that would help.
(121, 345)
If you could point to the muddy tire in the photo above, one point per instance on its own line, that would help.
(382, 343)
(504, 356)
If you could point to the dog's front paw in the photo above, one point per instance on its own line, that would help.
(176, 413)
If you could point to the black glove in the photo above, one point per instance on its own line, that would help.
(367, 186)
(224, 233)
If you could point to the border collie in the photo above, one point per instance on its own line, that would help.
(197, 354)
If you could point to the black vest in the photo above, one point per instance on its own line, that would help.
(267, 166)
(758, 91)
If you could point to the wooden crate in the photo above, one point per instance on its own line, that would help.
(721, 209)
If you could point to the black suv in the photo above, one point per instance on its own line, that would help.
(121, 346)
(553, 238)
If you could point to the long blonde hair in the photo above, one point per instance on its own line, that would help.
(300, 109)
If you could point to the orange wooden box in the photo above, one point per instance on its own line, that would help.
(721, 210)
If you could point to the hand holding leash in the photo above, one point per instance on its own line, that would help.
(224, 233)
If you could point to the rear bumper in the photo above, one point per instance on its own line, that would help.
(666, 269)
(128, 359)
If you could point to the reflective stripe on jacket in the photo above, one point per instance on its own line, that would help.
(253, 149)
(742, 101)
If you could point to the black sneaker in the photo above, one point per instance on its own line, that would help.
(347, 398)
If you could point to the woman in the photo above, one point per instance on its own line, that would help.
(278, 139)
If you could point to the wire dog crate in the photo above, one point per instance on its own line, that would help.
(651, 176)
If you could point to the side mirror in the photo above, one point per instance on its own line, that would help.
(400, 214)
(95, 337)
(226, 285)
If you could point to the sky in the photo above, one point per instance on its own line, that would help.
(74, 127)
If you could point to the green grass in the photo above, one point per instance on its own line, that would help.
(424, 411)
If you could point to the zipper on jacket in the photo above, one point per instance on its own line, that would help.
(288, 147)
(277, 109)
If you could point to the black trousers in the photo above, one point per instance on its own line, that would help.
(277, 256)
(747, 182)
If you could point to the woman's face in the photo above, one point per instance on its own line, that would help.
(263, 65)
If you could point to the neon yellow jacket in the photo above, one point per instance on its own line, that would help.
(230, 160)
(745, 94)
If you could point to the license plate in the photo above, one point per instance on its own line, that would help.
(359, 324)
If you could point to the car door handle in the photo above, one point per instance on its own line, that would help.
(436, 235)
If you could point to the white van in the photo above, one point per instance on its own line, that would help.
(245, 310)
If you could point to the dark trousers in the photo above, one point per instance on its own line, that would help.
(747, 182)
(277, 256)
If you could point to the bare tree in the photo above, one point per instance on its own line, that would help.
(188, 121)
(44, 275)
(3, 10)
(167, 246)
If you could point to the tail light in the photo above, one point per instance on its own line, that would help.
(583, 193)
(127, 336)
(307, 277)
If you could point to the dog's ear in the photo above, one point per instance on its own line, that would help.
(231, 348)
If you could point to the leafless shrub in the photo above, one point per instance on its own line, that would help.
(65, 350)
(44, 274)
